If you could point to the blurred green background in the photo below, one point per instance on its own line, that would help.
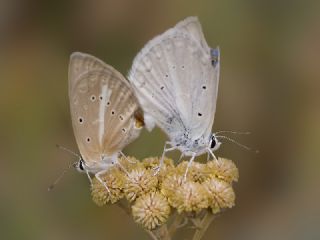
(270, 82)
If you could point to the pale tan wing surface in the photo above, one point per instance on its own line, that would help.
(103, 109)
(81, 63)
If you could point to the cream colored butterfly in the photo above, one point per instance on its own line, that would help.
(105, 113)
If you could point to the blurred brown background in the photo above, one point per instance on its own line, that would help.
(270, 82)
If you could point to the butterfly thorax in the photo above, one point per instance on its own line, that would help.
(189, 146)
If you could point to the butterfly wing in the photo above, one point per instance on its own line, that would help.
(192, 27)
(175, 81)
(103, 107)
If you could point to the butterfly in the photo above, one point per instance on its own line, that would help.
(105, 113)
(175, 77)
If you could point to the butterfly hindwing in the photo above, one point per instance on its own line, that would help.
(103, 107)
(175, 81)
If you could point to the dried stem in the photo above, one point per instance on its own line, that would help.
(203, 226)
(160, 233)
(178, 220)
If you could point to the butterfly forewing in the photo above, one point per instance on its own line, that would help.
(103, 108)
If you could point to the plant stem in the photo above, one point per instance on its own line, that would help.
(205, 223)
(160, 233)
(176, 224)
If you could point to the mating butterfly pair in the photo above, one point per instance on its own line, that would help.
(173, 83)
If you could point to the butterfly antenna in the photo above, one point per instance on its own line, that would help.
(51, 186)
(68, 150)
(237, 143)
(233, 132)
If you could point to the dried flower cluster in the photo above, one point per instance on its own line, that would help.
(152, 198)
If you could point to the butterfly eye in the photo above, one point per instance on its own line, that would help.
(81, 165)
(213, 142)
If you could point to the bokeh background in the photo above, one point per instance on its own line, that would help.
(270, 85)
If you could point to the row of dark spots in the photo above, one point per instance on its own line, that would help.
(204, 87)
(93, 98)
(174, 67)
(89, 139)
(162, 87)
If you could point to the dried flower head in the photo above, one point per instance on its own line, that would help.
(139, 181)
(223, 169)
(220, 194)
(114, 180)
(151, 210)
(170, 184)
(153, 162)
(195, 171)
(128, 163)
(207, 186)
(190, 197)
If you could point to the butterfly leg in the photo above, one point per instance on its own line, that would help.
(122, 168)
(214, 157)
(181, 156)
(189, 165)
(98, 176)
(165, 150)
(88, 175)
(124, 156)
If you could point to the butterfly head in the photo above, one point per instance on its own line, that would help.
(214, 143)
(80, 165)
